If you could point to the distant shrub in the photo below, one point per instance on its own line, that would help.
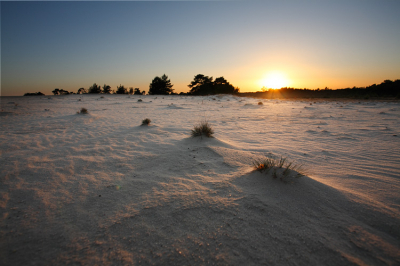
(203, 129)
(138, 92)
(81, 91)
(106, 89)
(260, 103)
(94, 88)
(140, 100)
(83, 111)
(280, 167)
(146, 122)
(34, 94)
(121, 90)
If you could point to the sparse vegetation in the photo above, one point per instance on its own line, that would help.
(260, 103)
(203, 129)
(280, 167)
(146, 122)
(83, 111)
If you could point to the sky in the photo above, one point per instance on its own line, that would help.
(252, 44)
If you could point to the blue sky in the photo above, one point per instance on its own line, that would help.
(314, 44)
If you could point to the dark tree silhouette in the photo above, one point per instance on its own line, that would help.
(57, 91)
(160, 86)
(81, 91)
(106, 89)
(387, 89)
(63, 92)
(131, 90)
(201, 85)
(221, 85)
(121, 89)
(34, 94)
(95, 88)
(137, 91)
(204, 85)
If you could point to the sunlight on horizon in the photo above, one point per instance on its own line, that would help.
(274, 80)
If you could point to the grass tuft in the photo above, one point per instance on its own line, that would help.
(203, 129)
(83, 111)
(260, 103)
(146, 122)
(280, 167)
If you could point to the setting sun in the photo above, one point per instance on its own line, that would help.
(275, 80)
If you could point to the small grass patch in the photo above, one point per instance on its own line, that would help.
(203, 129)
(260, 103)
(83, 111)
(146, 122)
(280, 167)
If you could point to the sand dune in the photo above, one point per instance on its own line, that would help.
(100, 189)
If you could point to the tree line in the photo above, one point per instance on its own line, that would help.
(205, 85)
(106, 89)
(387, 89)
(201, 85)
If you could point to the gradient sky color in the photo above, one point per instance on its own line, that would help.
(315, 44)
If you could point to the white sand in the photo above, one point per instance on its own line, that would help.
(100, 189)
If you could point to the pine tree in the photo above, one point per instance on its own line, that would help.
(161, 86)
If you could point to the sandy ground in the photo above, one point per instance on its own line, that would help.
(99, 189)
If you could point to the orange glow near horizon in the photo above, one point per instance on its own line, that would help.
(274, 80)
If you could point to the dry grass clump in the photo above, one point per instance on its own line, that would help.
(203, 129)
(260, 103)
(280, 167)
(146, 122)
(83, 111)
